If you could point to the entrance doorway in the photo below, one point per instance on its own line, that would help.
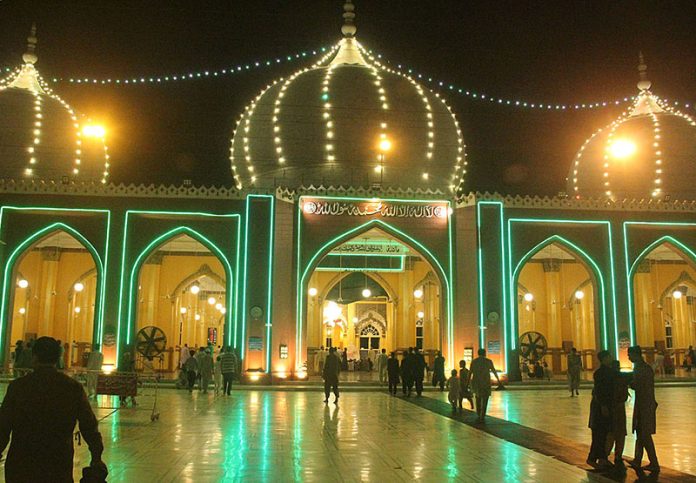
(370, 293)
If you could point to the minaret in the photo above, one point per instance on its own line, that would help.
(646, 102)
(643, 84)
(348, 52)
(348, 29)
(29, 56)
(28, 77)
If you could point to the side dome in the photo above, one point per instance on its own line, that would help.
(648, 152)
(42, 137)
(348, 121)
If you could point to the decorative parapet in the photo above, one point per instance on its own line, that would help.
(292, 194)
(555, 203)
(78, 188)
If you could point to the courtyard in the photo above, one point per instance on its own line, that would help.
(290, 435)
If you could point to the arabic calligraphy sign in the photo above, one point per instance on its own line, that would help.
(370, 249)
(375, 208)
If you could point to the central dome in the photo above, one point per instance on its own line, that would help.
(349, 121)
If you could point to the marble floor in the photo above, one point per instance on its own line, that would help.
(293, 436)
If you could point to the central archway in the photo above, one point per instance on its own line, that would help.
(438, 311)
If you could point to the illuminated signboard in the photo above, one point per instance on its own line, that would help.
(382, 209)
(370, 248)
(283, 351)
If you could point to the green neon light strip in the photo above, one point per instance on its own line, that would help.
(631, 270)
(99, 322)
(504, 295)
(211, 246)
(450, 287)
(513, 280)
(349, 234)
(9, 266)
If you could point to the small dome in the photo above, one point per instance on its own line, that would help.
(348, 120)
(41, 136)
(648, 152)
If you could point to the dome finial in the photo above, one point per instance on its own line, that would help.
(29, 56)
(643, 84)
(348, 29)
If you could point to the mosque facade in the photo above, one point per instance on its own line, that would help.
(349, 224)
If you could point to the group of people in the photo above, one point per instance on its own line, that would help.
(608, 412)
(204, 366)
(22, 357)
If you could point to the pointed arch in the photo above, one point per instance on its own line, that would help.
(313, 262)
(32, 239)
(376, 277)
(152, 247)
(688, 254)
(203, 271)
(589, 263)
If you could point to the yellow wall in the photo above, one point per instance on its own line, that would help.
(651, 309)
(158, 305)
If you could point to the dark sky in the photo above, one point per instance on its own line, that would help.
(555, 52)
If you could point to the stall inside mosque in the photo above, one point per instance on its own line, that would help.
(350, 223)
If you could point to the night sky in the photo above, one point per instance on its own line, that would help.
(551, 52)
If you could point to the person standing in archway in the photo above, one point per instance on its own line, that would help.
(439, 371)
(480, 382)
(332, 368)
(644, 407)
(382, 366)
(574, 370)
(418, 371)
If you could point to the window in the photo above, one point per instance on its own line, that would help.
(369, 337)
(668, 334)
(419, 334)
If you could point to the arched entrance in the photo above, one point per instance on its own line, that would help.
(664, 293)
(557, 307)
(182, 286)
(368, 293)
(55, 279)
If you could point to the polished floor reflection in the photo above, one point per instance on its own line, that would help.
(553, 411)
(293, 436)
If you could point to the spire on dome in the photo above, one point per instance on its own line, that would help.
(29, 56)
(349, 29)
(643, 84)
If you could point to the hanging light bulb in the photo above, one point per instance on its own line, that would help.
(78, 310)
(195, 288)
(313, 292)
(218, 306)
(79, 287)
(22, 283)
(579, 295)
(211, 300)
(22, 310)
(420, 314)
(366, 293)
(197, 316)
(528, 297)
(418, 293)
(182, 310)
(677, 294)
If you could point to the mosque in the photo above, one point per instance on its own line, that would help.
(348, 225)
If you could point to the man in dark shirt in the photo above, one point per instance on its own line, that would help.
(407, 364)
(40, 411)
(601, 411)
(418, 370)
(332, 368)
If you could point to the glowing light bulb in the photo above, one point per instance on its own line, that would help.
(385, 145)
(528, 297)
(418, 293)
(579, 295)
(78, 310)
(677, 294)
(622, 148)
(211, 300)
(313, 292)
(22, 283)
(420, 314)
(183, 310)
(197, 316)
(79, 287)
(218, 306)
(195, 288)
(366, 293)
(22, 310)
(93, 131)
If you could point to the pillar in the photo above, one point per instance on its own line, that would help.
(642, 295)
(50, 258)
(554, 301)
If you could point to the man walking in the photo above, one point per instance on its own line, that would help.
(393, 372)
(407, 372)
(228, 367)
(94, 365)
(332, 368)
(382, 366)
(480, 377)
(600, 411)
(205, 366)
(39, 412)
(644, 407)
(574, 369)
(418, 370)
(319, 360)
(439, 371)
